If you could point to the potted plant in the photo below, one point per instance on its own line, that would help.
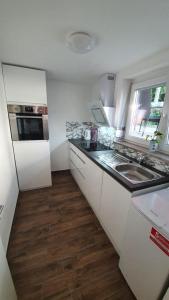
(154, 140)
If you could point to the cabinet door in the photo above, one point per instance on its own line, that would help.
(115, 202)
(93, 175)
(24, 85)
(33, 164)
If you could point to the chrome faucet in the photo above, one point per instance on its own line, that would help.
(141, 157)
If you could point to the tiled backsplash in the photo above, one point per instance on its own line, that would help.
(149, 159)
(106, 135)
(75, 130)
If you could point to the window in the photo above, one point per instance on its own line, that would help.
(146, 110)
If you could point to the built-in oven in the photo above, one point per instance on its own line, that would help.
(28, 122)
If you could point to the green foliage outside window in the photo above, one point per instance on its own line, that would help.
(162, 93)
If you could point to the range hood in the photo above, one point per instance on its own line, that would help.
(103, 106)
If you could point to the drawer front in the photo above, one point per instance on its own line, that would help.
(78, 159)
(78, 153)
(78, 176)
(89, 179)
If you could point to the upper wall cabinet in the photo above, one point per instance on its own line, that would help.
(24, 85)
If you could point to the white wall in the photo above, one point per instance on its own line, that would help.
(7, 290)
(66, 102)
(8, 178)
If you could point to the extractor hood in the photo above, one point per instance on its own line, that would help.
(103, 104)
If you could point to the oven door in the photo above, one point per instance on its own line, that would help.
(27, 128)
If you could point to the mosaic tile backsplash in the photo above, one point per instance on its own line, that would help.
(75, 130)
(106, 136)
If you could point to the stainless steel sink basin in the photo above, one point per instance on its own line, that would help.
(136, 173)
(133, 172)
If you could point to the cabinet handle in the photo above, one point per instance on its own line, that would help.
(77, 169)
(81, 173)
(78, 156)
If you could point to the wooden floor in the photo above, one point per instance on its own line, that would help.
(58, 250)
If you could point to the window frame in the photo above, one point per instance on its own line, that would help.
(145, 84)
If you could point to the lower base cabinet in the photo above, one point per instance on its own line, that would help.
(88, 176)
(77, 166)
(94, 176)
(109, 199)
(115, 203)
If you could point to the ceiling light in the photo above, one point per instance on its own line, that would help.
(80, 42)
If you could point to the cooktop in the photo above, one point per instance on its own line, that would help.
(94, 146)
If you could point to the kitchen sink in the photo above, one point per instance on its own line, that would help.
(111, 159)
(136, 173)
(133, 172)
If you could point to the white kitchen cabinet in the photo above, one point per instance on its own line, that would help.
(24, 85)
(88, 176)
(7, 290)
(33, 164)
(114, 207)
(77, 167)
(94, 175)
(78, 176)
(108, 198)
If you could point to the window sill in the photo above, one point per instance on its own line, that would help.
(158, 154)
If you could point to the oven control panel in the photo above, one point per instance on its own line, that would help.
(27, 109)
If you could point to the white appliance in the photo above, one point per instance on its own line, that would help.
(103, 106)
(144, 259)
(28, 122)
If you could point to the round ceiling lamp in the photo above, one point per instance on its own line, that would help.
(81, 42)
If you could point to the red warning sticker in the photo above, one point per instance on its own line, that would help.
(160, 240)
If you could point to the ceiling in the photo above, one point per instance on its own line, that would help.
(32, 33)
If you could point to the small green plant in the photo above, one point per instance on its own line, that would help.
(156, 137)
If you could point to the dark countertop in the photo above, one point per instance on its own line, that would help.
(91, 154)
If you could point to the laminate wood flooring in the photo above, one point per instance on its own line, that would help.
(58, 250)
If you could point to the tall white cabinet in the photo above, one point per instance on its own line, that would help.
(24, 85)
